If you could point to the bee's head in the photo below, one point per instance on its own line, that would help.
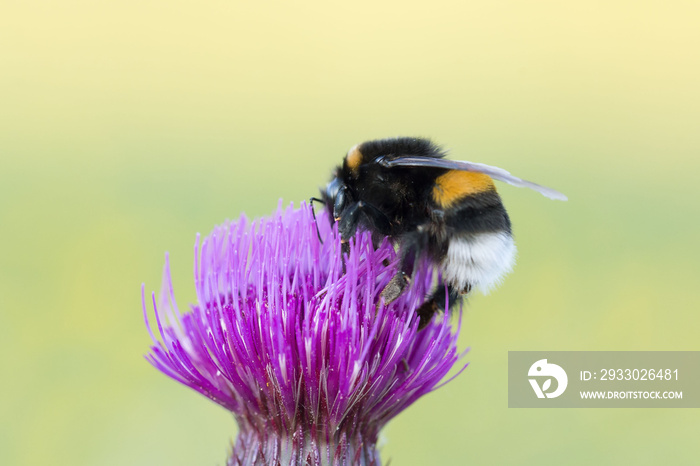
(339, 191)
(337, 196)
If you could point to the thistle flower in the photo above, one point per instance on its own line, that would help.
(295, 342)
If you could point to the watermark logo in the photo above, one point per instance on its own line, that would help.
(603, 379)
(543, 370)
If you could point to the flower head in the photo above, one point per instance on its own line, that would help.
(292, 338)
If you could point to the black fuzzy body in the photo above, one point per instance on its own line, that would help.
(398, 203)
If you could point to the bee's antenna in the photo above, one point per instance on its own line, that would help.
(313, 212)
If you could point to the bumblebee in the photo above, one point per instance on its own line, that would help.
(448, 211)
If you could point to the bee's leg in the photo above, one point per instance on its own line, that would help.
(439, 301)
(348, 221)
(407, 258)
(344, 251)
(347, 226)
(412, 246)
(446, 301)
(426, 312)
(394, 288)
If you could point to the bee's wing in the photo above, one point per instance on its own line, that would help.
(494, 172)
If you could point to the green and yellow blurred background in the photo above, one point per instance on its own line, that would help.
(126, 127)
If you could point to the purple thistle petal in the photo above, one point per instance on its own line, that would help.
(304, 355)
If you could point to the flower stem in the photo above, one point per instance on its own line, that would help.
(256, 448)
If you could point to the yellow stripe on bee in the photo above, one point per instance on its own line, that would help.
(456, 184)
(354, 158)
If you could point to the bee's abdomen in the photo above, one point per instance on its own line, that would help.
(477, 213)
(478, 260)
(480, 249)
(454, 185)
